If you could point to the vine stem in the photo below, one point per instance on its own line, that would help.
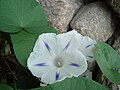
(10, 70)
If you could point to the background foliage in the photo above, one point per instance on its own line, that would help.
(108, 61)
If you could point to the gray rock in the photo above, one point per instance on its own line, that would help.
(60, 12)
(116, 42)
(115, 5)
(95, 20)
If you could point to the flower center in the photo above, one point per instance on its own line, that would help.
(58, 62)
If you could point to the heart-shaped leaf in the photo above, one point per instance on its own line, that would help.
(23, 43)
(16, 15)
(108, 60)
(74, 84)
(5, 87)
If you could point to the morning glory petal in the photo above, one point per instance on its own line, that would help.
(46, 43)
(68, 44)
(64, 74)
(47, 46)
(69, 40)
(36, 65)
(49, 77)
(57, 75)
(41, 64)
(75, 63)
(87, 46)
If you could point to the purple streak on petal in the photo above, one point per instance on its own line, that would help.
(47, 46)
(67, 45)
(88, 46)
(41, 64)
(57, 75)
(75, 64)
(90, 56)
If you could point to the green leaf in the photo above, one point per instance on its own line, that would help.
(25, 20)
(5, 87)
(74, 84)
(16, 15)
(108, 60)
(23, 43)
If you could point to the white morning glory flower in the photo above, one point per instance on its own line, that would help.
(56, 57)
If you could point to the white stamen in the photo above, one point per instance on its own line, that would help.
(58, 62)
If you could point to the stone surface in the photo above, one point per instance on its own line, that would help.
(95, 20)
(60, 12)
(115, 5)
(116, 42)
